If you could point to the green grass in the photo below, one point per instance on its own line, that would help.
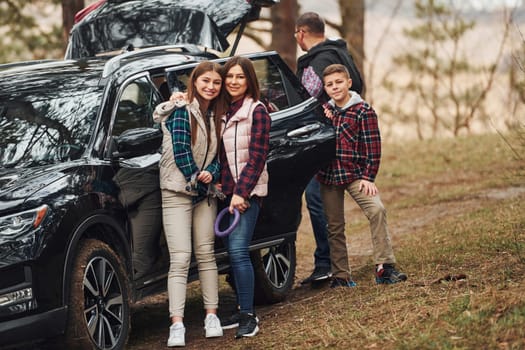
(458, 208)
(425, 168)
(484, 240)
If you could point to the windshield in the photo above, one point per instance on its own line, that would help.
(40, 127)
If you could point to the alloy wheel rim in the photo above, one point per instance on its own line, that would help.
(277, 265)
(103, 303)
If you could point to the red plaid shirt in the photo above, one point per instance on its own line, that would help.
(358, 146)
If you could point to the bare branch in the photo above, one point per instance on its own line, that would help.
(492, 72)
(377, 48)
(335, 26)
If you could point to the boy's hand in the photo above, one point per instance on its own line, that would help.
(369, 188)
(328, 112)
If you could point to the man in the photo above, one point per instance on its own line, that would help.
(320, 53)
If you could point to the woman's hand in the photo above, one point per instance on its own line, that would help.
(239, 203)
(178, 95)
(205, 177)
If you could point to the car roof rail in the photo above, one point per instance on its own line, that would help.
(115, 62)
(24, 63)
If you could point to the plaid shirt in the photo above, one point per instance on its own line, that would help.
(258, 152)
(358, 146)
(178, 125)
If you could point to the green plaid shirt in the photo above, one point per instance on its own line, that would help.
(178, 125)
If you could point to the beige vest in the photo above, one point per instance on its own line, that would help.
(236, 135)
(171, 178)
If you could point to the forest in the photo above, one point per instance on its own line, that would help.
(432, 68)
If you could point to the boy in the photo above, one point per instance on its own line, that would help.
(320, 52)
(358, 152)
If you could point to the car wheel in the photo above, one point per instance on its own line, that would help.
(99, 312)
(274, 269)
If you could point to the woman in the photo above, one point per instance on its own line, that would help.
(188, 166)
(244, 179)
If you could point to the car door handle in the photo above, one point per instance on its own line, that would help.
(305, 130)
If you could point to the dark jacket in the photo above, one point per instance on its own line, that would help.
(326, 53)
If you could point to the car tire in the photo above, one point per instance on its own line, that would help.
(98, 318)
(274, 269)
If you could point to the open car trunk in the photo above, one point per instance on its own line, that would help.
(112, 25)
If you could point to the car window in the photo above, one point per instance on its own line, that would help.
(273, 94)
(160, 82)
(272, 84)
(45, 126)
(136, 104)
(178, 80)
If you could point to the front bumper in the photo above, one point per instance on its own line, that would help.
(23, 315)
(34, 327)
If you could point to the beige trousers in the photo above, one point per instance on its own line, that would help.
(333, 201)
(184, 223)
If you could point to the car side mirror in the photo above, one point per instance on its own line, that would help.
(137, 142)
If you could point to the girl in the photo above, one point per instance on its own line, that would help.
(244, 178)
(188, 165)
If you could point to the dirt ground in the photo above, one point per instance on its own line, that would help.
(150, 322)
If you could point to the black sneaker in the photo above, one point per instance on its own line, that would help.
(320, 273)
(339, 282)
(233, 321)
(387, 274)
(248, 325)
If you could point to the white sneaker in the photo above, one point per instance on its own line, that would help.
(177, 331)
(212, 325)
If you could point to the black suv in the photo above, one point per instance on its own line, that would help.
(78, 169)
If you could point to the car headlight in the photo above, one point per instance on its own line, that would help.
(14, 225)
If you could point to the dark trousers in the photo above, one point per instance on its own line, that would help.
(319, 225)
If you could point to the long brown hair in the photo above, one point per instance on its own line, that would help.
(248, 69)
(253, 90)
(200, 69)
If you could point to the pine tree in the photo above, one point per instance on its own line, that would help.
(440, 96)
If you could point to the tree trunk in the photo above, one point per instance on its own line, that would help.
(283, 18)
(69, 9)
(353, 29)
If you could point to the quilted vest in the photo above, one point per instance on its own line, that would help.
(171, 178)
(236, 135)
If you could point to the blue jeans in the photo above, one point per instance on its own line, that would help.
(319, 224)
(238, 243)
